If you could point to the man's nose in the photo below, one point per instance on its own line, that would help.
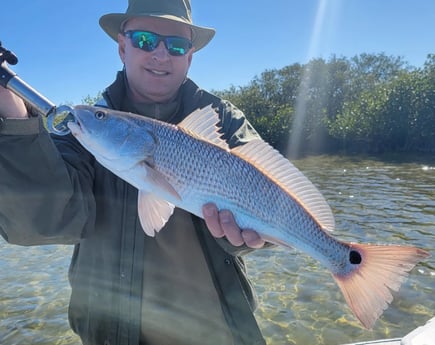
(161, 53)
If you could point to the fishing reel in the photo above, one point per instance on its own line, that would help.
(57, 117)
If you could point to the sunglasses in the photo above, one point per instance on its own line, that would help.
(149, 41)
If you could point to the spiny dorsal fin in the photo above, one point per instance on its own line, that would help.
(271, 163)
(203, 124)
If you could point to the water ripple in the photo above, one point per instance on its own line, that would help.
(373, 202)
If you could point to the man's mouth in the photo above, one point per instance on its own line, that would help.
(158, 73)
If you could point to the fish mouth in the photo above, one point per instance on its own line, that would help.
(75, 119)
(75, 125)
(78, 123)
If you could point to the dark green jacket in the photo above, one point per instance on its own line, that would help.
(54, 192)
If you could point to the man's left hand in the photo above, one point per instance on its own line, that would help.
(222, 223)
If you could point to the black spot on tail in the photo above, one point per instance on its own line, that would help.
(355, 257)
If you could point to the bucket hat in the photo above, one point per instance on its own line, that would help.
(173, 10)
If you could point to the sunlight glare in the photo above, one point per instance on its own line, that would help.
(323, 31)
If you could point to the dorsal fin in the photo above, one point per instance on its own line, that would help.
(270, 162)
(203, 124)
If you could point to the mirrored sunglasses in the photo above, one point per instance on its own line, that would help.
(149, 41)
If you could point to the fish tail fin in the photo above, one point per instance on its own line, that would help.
(376, 269)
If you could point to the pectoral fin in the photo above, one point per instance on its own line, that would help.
(160, 182)
(153, 211)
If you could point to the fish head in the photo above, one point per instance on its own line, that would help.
(112, 134)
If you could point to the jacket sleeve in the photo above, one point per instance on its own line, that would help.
(45, 185)
(235, 127)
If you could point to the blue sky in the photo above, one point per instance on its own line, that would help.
(65, 55)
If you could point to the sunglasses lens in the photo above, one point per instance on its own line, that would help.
(148, 41)
(178, 46)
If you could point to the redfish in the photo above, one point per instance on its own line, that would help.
(188, 165)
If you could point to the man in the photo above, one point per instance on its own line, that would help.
(188, 284)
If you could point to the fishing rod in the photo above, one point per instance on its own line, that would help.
(56, 116)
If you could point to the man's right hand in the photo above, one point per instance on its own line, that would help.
(11, 106)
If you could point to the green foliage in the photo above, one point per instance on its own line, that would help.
(368, 103)
(394, 112)
(89, 100)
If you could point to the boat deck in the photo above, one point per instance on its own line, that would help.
(423, 335)
(395, 341)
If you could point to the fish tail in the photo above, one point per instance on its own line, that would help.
(375, 270)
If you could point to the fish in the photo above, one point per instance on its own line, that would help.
(189, 165)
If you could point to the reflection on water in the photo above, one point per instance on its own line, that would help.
(374, 201)
(34, 295)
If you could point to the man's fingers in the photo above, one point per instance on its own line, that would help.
(230, 228)
(223, 224)
(252, 239)
(211, 218)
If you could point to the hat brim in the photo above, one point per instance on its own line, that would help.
(111, 24)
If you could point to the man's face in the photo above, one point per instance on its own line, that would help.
(154, 76)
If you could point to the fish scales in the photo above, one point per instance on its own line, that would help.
(206, 173)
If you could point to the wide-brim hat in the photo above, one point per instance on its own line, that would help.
(173, 10)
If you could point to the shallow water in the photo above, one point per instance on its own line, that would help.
(373, 201)
(299, 303)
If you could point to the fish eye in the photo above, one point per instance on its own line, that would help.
(100, 115)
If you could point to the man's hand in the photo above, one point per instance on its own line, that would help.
(11, 105)
(223, 224)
